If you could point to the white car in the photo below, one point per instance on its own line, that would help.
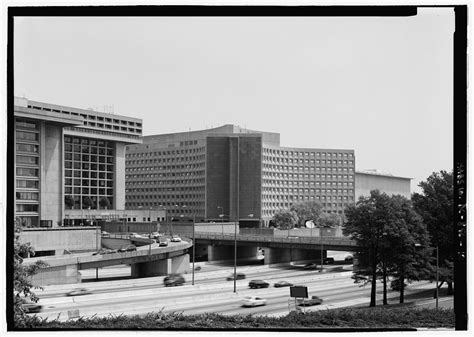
(253, 301)
(176, 239)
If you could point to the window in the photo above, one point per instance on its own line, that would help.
(27, 172)
(27, 160)
(26, 125)
(23, 135)
(26, 208)
(27, 183)
(27, 148)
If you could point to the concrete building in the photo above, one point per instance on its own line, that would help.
(68, 159)
(367, 180)
(230, 173)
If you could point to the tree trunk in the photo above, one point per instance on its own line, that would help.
(450, 288)
(385, 286)
(402, 289)
(373, 289)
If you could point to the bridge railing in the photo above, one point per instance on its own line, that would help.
(270, 238)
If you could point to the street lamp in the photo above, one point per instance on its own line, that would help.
(221, 215)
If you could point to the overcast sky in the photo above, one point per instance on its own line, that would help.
(380, 86)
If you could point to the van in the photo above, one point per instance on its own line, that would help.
(173, 280)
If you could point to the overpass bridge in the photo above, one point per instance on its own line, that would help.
(149, 260)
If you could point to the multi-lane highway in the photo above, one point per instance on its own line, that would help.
(211, 293)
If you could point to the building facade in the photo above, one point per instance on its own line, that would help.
(368, 180)
(68, 159)
(229, 173)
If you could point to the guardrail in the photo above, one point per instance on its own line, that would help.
(291, 239)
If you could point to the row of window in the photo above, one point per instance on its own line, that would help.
(90, 174)
(279, 152)
(306, 161)
(93, 191)
(164, 175)
(29, 160)
(20, 183)
(86, 182)
(30, 148)
(90, 165)
(156, 189)
(24, 124)
(104, 133)
(160, 153)
(27, 172)
(27, 207)
(168, 182)
(269, 170)
(311, 197)
(28, 136)
(87, 116)
(27, 195)
(164, 196)
(307, 191)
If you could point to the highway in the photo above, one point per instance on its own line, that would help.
(211, 293)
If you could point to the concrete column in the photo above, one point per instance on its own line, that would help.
(119, 177)
(175, 265)
(277, 255)
(51, 176)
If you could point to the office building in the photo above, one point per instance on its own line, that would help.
(229, 173)
(368, 180)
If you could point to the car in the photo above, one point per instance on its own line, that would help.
(253, 301)
(349, 258)
(105, 234)
(310, 266)
(280, 284)
(137, 236)
(155, 235)
(239, 276)
(175, 239)
(78, 292)
(163, 244)
(254, 284)
(104, 251)
(328, 260)
(314, 300)
(173, 280)
(30, 307)
(129, 248)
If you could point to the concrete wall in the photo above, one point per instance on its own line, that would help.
(51, 181)
(57, 275)
(365, 182)
(61, 238)
(119, 176)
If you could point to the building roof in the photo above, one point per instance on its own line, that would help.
(375, 172)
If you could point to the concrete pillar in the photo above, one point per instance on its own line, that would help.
(277, 255)
(119, 176)
(175, 265)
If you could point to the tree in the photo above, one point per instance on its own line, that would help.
(22, 284)
(435, 205)
(306, 211)
(87, 202)
(69, 201)
(329, 220)
(285, 219)
(407, 255)
(104, 202)
(366, 225)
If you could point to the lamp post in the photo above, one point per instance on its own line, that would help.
(221, 215)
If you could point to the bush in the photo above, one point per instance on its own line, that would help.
(378, 317)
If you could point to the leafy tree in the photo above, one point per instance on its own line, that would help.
(366, 221)
(305, 211)
(285, 219)
(407, 254)
(329, 220)
(435, 205)
(104, 202)
(22, 284)
(69, 201)
(87, 202)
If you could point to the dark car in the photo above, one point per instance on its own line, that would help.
(79, 292)
(314, 300)
(328, 260)
(310, 266)
(349, 258)
(239, 276)
(254, 284)
(129, 248)
(30, 307)
(173, 280)
(280, 284)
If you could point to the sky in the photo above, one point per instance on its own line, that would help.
(379, 86)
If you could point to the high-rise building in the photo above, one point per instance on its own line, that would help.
(229, 173)
(68, 159)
